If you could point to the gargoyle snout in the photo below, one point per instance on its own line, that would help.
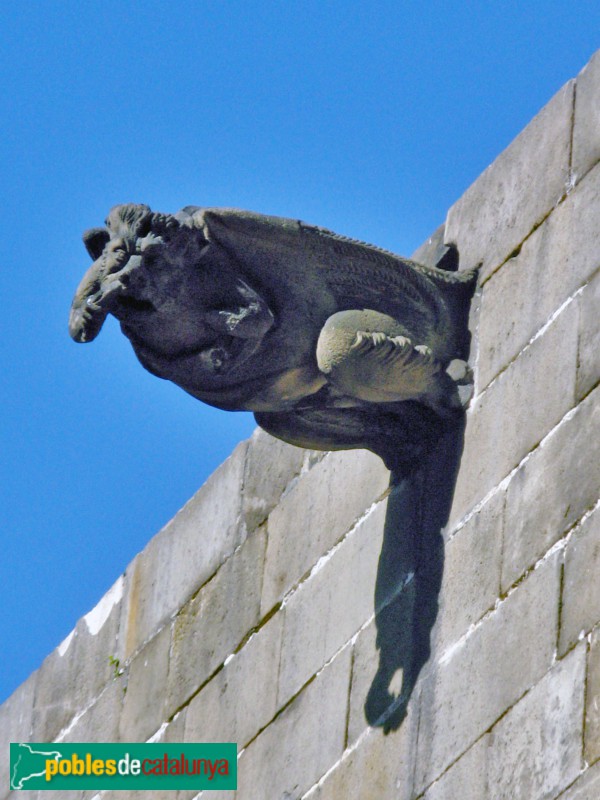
(116, 284)
(86, 317)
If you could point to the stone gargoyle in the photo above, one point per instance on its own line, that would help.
(333, 343)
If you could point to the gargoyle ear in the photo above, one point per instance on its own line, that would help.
(95, 241)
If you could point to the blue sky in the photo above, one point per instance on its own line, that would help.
(367, 118)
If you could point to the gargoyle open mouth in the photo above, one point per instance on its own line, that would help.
(135, 304)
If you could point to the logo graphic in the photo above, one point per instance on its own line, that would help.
(123, 766)
(28, 763)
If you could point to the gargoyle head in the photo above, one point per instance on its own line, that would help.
(177, 295)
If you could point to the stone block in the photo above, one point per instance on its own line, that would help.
(592, 705)
(315, 514)
(466, 779)
(486, 672)
(15, 726)
(532, 752)
(74, 674)
(558, 258)
(586, 131)
(301, 743)
(552, 489)
(154, 794)
(517, 191)
(22, 795)
(580, 606)
(144, 703)
(330, 607)
(43, 795)
(379, 766)
(212, 625)
(100, 722)
(186, 553)
(270, 467)
(433, 250)
(471, 579)
(535, 750)
(586, 787)
(242, 697)
(53, 794)
(515, 412)
(175, 730)
(588, 362)
(365, 663)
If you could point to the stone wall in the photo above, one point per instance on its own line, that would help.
(436, 638)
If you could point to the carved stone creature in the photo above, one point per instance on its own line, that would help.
(333, 343)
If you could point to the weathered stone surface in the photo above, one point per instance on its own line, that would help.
(535, 750)
(471, 579)
(184, 555)
(21, 795)
(379, 766)
(211, 625)
(558, 258)
(580, 607)
(301, 744)
(328, 609)
(552, 490)
(100, 723)
(586, 132)
(486, 673)
(466, 779)
(588, 365)
(154, 794)
(144, 703)
(56, 794)
(44, 795)
(310, 519)
(592, 705)
(73, 675)
(365, 662)
(586, 787)
(270, 467)
(242, 698)
(175, 730)
(16, 715)
(517, 191)
(517, 411)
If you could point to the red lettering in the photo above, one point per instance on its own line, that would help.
(155, 769)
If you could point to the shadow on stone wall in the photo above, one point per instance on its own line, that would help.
(409, 577)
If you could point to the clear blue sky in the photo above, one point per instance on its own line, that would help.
(368, 118)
